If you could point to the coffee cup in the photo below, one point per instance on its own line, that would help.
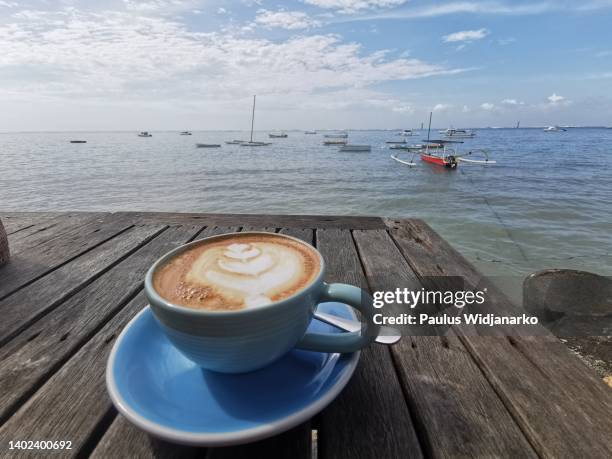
(237, 302)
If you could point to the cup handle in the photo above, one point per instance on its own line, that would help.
(348, 341)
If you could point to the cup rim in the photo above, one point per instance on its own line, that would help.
(158, 300)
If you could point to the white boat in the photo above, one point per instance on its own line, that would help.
(144, 134)
(554, 129)
(185, 133)
(330, 141)
(339, 135)
(310, 132)
(280, 135)
(351, 147)
(458, 133)
(406, 132)
(252, 143)
(208, 145)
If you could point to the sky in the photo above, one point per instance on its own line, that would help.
(314, 64)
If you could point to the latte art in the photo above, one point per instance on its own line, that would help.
(237, 271)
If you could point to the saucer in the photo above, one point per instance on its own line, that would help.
(158, 389)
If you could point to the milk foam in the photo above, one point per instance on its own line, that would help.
(251, 273)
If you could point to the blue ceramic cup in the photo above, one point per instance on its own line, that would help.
(251, 338)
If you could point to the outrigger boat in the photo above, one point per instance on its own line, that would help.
(448, 157)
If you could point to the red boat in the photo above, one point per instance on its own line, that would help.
(446, 161)
(445, 158)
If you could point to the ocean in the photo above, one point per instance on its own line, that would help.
(547, 203)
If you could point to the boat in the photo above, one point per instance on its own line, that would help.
(310, 132)
(448, 157)
(339, 135)
(406, 132)
(396, 142)
(208, 145)
(235, 142)
(329, 141)
(352, 147)
(255, 144)
(144, 134)
(554, 129)
(416, 147)
(185, 133)
(280, 135)
(78, 141)
(458, 133)
(252, 143)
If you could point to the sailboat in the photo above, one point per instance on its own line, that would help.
(251, 143)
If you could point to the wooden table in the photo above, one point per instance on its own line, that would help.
(75, 280)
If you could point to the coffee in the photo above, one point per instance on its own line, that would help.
(237, 271)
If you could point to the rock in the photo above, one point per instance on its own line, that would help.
(555, 293)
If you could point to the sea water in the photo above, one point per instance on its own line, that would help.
(546, 203)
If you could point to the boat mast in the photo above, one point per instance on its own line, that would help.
(429, 128)
(253, 118)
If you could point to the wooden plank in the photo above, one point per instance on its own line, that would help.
(27, 360)
(73, 402)
(369, 418)
(17, 221)
(28, 304)
(124, 440)
(294, 443)
(34, 263)
(561, 405)
(49, 229)
(260, 220)
(458, 413)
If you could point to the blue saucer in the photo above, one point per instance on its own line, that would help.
(167, 395)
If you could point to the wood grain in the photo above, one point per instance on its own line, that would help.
(42, 232)
(453, 403)
(72, 402)
(28, 304)
(30, 357)
(259, 220)
(369, 418)
(555, 398)
(33, 263)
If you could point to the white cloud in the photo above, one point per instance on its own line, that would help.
(512, 102)
(487, 106)
(157, 6)
(119, 56)
(221, 10)
(465, 36)
(290, 20)
(351, 6)
(4, 4)
(442, 107)
(555, 99)
(465, 109)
